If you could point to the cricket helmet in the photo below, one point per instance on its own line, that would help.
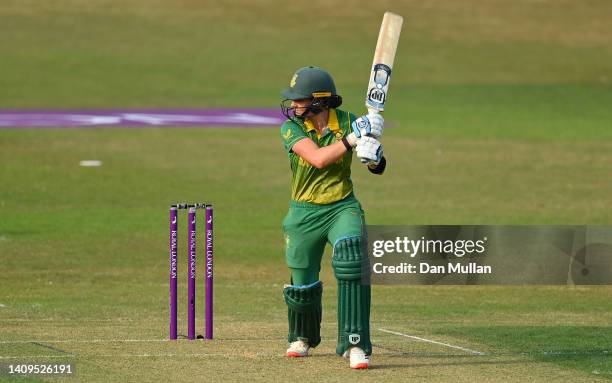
(313, 83)
(310, 82)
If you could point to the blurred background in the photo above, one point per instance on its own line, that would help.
(499, 112)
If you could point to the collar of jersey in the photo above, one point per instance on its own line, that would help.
(332, 124)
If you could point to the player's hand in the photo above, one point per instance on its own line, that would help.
(370, 124)
(352, 139)
(369, 150)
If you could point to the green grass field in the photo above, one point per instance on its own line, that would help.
(499, 113)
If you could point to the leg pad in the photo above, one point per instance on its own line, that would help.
(353, 297)
(304, 312)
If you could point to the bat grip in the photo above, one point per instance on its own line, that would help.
(372, 111)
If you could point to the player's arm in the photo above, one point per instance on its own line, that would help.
(322, 157)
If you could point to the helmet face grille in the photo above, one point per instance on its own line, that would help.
(316, 106)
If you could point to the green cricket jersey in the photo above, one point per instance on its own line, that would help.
(319, 186)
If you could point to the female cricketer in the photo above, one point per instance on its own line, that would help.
(320, 140)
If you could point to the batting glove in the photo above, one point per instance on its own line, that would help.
(368, 125)
(369, 150)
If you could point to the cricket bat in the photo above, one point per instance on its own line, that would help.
(384, 55)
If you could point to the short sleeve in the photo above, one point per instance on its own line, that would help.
(351, 119)
(291, 133)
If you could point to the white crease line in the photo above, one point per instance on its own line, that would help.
(431, 341)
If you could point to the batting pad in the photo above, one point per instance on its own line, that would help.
(353, 297)
(304, 312)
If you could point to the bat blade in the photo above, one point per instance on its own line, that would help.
(384, 55)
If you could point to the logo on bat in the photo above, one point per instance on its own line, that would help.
(379, 84)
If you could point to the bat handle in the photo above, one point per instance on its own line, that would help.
(370, 111)
(373, 110)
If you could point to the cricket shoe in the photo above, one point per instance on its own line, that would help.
(298, 349)
(358, 359)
